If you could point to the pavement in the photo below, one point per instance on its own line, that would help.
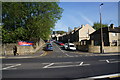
(34, 55)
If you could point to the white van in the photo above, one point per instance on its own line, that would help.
(71, 46)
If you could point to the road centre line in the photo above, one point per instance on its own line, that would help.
(63, 51)
(48, 65)
(59, 48)
(11, 66)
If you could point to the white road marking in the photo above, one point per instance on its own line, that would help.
(101, 77)
(8, 64)
(114, 61)
(76, 56)
(111, 60)
(68, 66)
(59, 48)
(106, 76)
(48, 65)
(81, 63)
(64, 64)
(11, 66)
(107, 61)
(63, 51)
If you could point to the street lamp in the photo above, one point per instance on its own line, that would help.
(102, 43)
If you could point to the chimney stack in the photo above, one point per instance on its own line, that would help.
(112, 26)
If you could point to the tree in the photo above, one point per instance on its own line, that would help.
(97, 26)
(60, 32)
(29, 20)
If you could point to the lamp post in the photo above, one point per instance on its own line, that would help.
(102, 43)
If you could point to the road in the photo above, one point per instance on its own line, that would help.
(61, 64)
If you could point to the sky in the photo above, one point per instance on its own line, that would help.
(76, 14)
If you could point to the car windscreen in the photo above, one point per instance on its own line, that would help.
(71, 45)
(49, 45)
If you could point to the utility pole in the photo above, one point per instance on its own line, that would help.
(102, 43)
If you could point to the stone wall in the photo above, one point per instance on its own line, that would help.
(107, 49)
(7, 49)
(82, 48)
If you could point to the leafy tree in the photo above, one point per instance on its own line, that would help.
(60, 32)
(97, 26)
(29, 20)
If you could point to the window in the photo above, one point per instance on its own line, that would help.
(114, 34)
(114, 42)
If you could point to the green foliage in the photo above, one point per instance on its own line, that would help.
(60, 32)
(97, 25)
(29, 20)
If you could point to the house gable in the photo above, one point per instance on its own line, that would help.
(85, 31)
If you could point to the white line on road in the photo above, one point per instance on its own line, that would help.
(68, 55)
(101, 77)
(8, 64)
(61, 62)
(63, 51)
(114, 61)
(68, 66)
(81, 63)
(107, 61)
(59, 48)
(48, 65)
(106, 76)
(11, 66)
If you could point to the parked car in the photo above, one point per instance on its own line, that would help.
(49, 47)
(71, 46)
(65, 45)
(61, 44)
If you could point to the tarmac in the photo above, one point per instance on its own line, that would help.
(44, 53)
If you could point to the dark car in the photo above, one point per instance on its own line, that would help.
(49, 47)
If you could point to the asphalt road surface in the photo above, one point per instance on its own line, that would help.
(61, 64)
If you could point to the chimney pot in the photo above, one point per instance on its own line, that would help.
(112, 26)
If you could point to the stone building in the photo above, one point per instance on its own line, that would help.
(78, 34)
(111, 36)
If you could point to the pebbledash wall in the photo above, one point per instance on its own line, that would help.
(7, 49)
